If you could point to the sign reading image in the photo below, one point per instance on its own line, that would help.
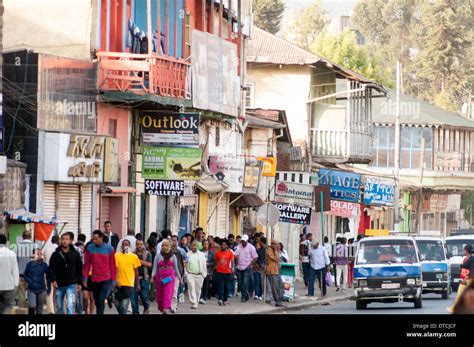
(170, 128)
(344, 185)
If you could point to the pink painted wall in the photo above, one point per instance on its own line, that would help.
(119, 210)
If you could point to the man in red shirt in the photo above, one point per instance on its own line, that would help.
(224, 263)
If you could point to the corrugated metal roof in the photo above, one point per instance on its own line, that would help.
(266, 48)
(415, 112)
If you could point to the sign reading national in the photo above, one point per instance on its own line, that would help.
(294, 214)
(164, 187)
(344, 185)
(301, 194)
(170, 128)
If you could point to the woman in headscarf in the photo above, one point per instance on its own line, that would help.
(165, 273)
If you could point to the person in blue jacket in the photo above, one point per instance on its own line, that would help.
(36, 277)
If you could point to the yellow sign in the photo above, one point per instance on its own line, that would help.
(269, 166)
(377, 232)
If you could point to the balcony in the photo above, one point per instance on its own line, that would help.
(329, 146)
(144, 74)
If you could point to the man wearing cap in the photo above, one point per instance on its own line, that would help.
(272, 273)
(245, 255)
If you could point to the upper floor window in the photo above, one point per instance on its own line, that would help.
(249, 95)
(411, 147)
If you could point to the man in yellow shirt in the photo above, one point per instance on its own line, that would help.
(127, 276)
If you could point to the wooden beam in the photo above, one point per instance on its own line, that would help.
(175, 38)
(158, 25)
(221, 15)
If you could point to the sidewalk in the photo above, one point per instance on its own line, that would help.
(257, 307)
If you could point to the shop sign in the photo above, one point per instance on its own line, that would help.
(164, 187)
(377, 232)
(269, 166)
(73, 158)
(111, 164)
(295, 193)
(344, 209)
(251, 176)
(228, 169)
(344, 185)
(294, 214)
(378, 191)
(171, 163)
(170, 128)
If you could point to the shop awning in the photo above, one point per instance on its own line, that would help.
(25, 216)
(120, 190)
(211, 185)
(245, 200)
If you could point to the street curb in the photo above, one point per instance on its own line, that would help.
(304, 305)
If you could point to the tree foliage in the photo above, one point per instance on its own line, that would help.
(343, 50)
(432, 39)
(308, 23)
(268, 14)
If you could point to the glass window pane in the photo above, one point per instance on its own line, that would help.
(415, 159)
(405, 159)
(391, 159)
(382, 158)
(428, 136)
(428, 159)
(391, 137)
(406, 137)
(416, 137)
(383, 137)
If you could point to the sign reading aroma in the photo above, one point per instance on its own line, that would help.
(228, 169)
(164, 188)
(344, 185)
(171, 163)
(170, 128)
(294, 214)
(74, 158)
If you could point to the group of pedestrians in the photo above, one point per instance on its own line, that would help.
(83, 278)
(317, 262)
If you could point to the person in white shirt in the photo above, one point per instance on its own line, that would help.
(9, 276)
(319, 261)
(196, 272)
(24, 254)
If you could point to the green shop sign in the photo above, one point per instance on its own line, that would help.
(171, 163)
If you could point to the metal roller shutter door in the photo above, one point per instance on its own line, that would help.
(104, 210)
(86, 210)
(223, 216)
(49, 199)
(68, 206)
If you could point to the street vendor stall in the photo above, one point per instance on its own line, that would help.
(42, 227)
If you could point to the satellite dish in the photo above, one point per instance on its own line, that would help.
(268, 214)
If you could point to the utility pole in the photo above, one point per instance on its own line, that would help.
(396, 208)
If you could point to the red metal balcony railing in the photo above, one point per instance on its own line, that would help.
(141, 73)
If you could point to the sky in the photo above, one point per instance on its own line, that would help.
(334, 8)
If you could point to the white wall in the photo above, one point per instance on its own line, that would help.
(285, 89)
(59, 27)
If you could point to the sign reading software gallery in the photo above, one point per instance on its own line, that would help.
(170, 128)
(164, 187)
(294, 214)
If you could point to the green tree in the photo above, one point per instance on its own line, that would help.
(343, 50)
(268, 14)
(307, 24)
(432, 39)
(443, 65)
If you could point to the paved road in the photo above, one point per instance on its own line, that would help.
(432, 304)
